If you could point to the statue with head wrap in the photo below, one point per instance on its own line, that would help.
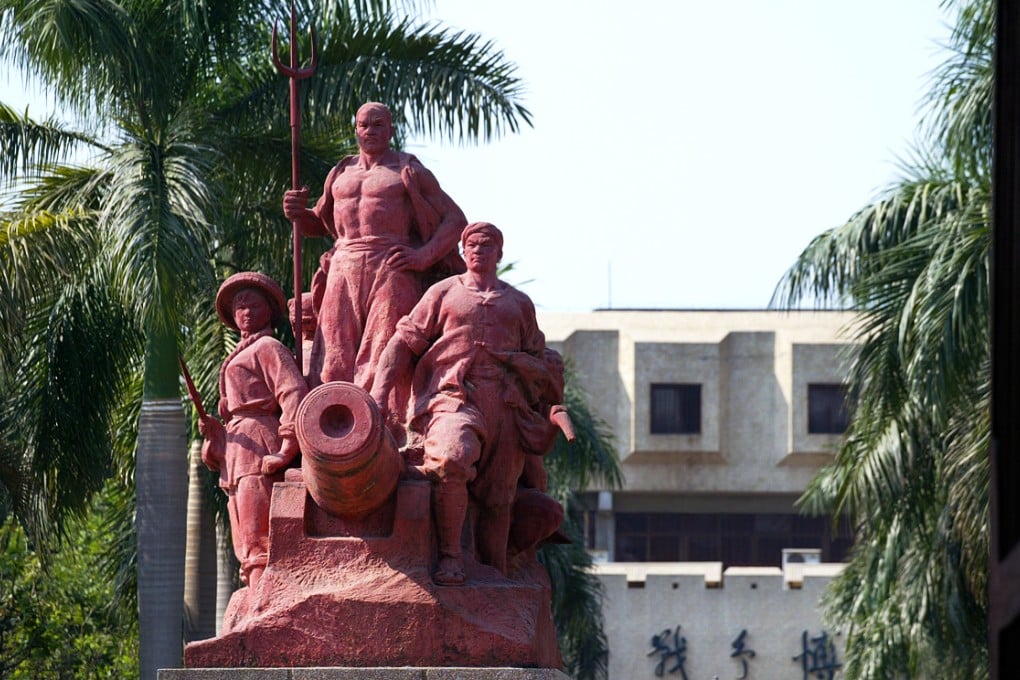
(464, 344)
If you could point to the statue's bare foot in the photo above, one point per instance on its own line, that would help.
(450, 572)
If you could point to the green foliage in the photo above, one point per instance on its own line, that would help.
(58, 411)
(913, 474)
(577, 593)
(56, 617)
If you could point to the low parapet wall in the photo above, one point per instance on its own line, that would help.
(756, 622)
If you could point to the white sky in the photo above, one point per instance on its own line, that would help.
(684, 152)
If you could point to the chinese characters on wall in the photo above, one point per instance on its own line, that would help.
(817, 659)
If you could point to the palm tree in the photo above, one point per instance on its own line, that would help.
(913, 472)
(591, 461)
(181, 182)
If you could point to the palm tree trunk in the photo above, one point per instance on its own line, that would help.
(200, 556)
(161, 487)
(227, 568)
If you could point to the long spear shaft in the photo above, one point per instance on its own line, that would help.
(296, 74)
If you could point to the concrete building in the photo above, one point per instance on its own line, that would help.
(721, 420)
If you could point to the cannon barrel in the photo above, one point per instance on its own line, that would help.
(351, 464)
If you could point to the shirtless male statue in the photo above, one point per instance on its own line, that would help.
(395, 230)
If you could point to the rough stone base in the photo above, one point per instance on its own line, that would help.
(360, 674)
(344, 593)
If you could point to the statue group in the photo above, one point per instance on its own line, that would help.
(386, 498)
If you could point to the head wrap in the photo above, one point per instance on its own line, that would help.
(486, 228)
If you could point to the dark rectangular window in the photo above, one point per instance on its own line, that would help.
(664, 549)
(631, 548)
(827, 412)
(736, 549)
(676, 409)
(739, 539)
(703, 548)
(662, 523)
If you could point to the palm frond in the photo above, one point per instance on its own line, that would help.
(577, 607)
(577, 592)
(155, 225)
(26, 144)
(60, 396)
(913, 473)
(962, 91)
(591, 460)
(832, 265)
(82, 49)
(443, 84)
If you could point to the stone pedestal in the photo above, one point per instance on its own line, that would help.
(341, 592)
(361, 674)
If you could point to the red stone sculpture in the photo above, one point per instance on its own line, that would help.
(478, 352)
(348, 582)
(304, 329)
(395, 229)
(536, 516)
(260, 390)
(408, 536)
(351, 464)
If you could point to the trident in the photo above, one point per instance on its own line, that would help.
(295, 73)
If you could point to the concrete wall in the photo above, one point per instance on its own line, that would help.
(775, 609)
(754, 368)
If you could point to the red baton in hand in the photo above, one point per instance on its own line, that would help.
(196, 398)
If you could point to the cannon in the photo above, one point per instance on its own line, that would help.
(350, 462)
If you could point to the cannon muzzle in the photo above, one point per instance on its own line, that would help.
(350, 461)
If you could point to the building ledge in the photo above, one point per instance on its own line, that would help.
(791, 577)
(638, 572)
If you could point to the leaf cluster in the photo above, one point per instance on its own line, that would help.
(577, 593)
(56, 619)
(913, 472)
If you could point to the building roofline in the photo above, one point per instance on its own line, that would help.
(742, 310)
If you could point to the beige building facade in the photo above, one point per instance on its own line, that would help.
(721, 419)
